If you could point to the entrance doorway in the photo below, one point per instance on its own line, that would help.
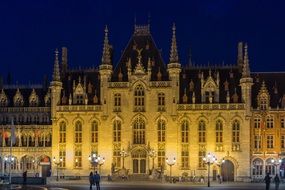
(139, 161)
(228, 171)
(282, 168)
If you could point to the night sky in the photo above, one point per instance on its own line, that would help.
(32, 29)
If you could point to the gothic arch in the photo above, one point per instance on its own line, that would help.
(162, 117)
(77, 118)
(117, 117)
(139, 115)
(138, 82)
(235, 162)
(184, 117)
(94, 118)
(237, 117)
(202, 117)
(62, 119)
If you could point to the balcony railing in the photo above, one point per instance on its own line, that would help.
(24, 109)
(95, 108)
(182, 107)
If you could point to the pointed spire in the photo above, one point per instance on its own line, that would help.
(106, 49)
(173, 51)
(56, 74)
(245, 70)
(190, 58)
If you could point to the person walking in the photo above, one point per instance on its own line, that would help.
(91, 181)
(267, 180)
(96, 179)
(276, 181)
(25, 177)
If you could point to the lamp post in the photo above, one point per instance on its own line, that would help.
(209, 159)
(57, 163)
(96, 160)
(276, 163)
(170, 163)
(9, 159)
(124, 154)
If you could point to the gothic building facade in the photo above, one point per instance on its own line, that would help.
(142, 115)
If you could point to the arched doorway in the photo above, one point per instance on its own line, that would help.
(45, 165)
(228, 171)
(282, 168)
(139, 161)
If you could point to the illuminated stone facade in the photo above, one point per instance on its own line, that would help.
(147, 111)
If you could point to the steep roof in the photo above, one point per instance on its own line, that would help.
(275, 84)
(142, 41)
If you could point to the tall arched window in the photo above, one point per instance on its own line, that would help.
(94, 132)
(139, 131)
(185, 144)
(236, 136)
(117, 131)
(139, 98)
(219, 135)
(185, 132)
(257, 167)
(269, 167)
(78, 132)
(202, 132)
(62, 132)
(161, 131)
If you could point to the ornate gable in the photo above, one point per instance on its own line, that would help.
(18, 98)
(47, 98)
(263, 97)
(34, 98)
(3, 98)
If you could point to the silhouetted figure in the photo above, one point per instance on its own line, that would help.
(219, 179)
(25, 177)
(276, 181)
(96, 179)
(91, 181)
(267, 180)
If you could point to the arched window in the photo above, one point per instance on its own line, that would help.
(219, 135)
(94, 132)
(270, 167)
(161, 102)
(117, 131)
(257, 167)
(62, 132)
(219, 131)
(117, 102)
(78, 132)
(139, 98)
(185, 131)
(139, 131)
(236, 136)
(161, 131)
(185, 144)
(202, 131)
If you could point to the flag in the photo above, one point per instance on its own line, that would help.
(13, 135)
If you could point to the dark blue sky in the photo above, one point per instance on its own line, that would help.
(32, 29)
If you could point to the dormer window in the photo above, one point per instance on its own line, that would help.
(33, 99)
(263, 97)
(3, 99)
(18, 99)
(263, 103)
(79, 94)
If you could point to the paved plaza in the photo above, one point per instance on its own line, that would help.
(141, 185)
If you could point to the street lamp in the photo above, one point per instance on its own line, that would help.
(152, 154)
(57, 163)
(10, 159)
(209, 159)
(96, 160)
(124, 154)
(170, 163)
(276, 163)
